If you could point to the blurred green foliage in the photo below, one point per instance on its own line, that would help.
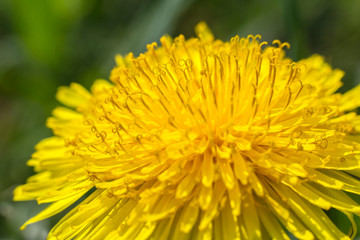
(46, 44)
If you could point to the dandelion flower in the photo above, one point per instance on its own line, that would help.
(202, 139)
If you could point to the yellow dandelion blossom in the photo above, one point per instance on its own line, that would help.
(202, 139)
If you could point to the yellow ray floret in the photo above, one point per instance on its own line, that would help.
(202, 139)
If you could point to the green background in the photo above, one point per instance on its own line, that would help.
(48, 43)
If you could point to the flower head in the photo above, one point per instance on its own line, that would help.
(202, 139)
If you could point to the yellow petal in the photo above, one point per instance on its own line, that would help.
(205, 234)
(226, 173)
(256, 184)
(235, 199)
(212, 210)
(66, 113)
(271, 224)
(54, 208)
(250, 218)
(208, 169)
(229, 226)
(286, 215)
(324, 178)
(308, 193)
(204, 32)
(240, 168)
(205, 196)
(349, 183)
(73, 96)
(188, 217)
(312, 216)
(163, 228)
(338, 199)
(350, 99)
(186, 186)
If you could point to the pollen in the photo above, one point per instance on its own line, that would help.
(202, 139)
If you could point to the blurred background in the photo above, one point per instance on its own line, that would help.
(46, 44)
